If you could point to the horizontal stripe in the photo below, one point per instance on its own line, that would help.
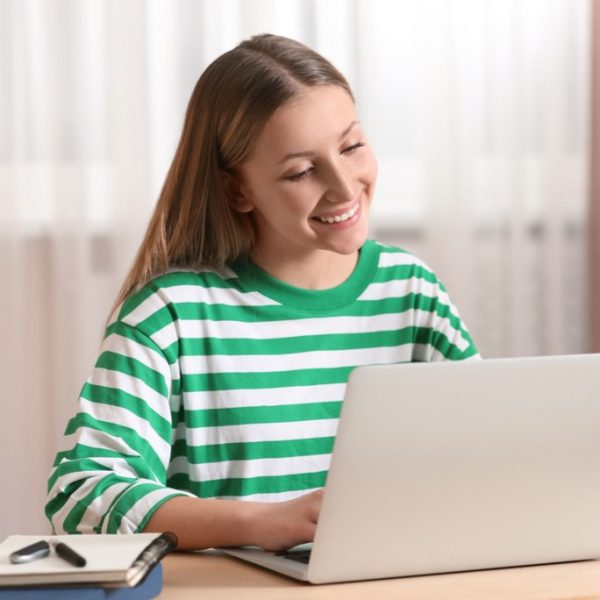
(395, 258)
(249, 468)
(109, 379)
(246, 346)
(262, 432)
(401, 289)
(110, 400)
(96, 440)
(244, 487)
(225, 417)
(196, 294)
(394, 317)
(250, 450)
(148, 356)
(289, 362)
(264, 396)
(240, 381)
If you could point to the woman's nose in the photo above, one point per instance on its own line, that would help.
(341, 185)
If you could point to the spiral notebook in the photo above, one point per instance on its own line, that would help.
(112, 560)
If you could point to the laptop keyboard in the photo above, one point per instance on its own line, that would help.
(301, 556)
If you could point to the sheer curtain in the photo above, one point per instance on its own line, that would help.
(477, 110)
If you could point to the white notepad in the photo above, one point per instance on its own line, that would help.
(112, 559)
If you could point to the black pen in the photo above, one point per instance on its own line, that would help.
(68, 554)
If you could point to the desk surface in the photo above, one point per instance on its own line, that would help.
(214, 576)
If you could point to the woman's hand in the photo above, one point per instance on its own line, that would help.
(281, 525)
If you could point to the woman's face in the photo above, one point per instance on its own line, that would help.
(310, 180)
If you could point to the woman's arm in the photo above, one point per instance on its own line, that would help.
(200, 523)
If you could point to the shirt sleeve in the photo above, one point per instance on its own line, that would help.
(440, 331)
(110, 474)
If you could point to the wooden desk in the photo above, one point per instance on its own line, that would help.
(217, 577)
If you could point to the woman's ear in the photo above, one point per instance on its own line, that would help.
(237, 193)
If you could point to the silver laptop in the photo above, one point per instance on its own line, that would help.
(454, 466)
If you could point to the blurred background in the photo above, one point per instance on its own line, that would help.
(479, 112)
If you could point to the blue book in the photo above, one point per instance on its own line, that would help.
(150, 587)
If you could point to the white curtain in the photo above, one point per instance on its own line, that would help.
(477, 110)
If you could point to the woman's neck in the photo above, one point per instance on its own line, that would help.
(317, 270)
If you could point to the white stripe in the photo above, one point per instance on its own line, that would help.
(265, 330)
(393, 259)
(121, 382)
(264, 397)
(263, 467)
(195, 294)
(95, 439)
(271, 363)
(65, 480)
(148, 356)
(260, 432)
(122, 416)
(402, 287)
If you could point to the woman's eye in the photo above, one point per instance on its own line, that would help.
(299, 176)
(353, 147)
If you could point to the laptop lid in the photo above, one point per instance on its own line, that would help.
(451, 466)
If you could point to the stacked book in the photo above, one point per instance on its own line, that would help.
(83, 567)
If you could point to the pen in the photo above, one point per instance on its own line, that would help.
(68, 554)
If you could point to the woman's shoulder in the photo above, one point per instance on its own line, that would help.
(394, 257)
(173, 287)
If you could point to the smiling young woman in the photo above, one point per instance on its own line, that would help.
(309, 184)
(213, 406)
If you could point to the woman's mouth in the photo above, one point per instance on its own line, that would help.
(340, 217)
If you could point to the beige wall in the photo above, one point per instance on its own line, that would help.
(594, 207)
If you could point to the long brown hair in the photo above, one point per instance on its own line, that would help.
(194, 223)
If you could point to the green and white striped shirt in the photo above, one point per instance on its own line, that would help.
(229, 385)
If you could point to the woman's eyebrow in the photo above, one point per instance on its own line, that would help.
(309, 153)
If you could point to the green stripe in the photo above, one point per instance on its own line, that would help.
(83, 451)
(252, 450)
(252, 381)
(403, 273)
(134, 368)
(251, 485)
(131, 333)
(204, 279)
(304, 343)
(141, 408)
(248, 415)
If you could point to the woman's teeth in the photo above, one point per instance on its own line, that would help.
(340, 218)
